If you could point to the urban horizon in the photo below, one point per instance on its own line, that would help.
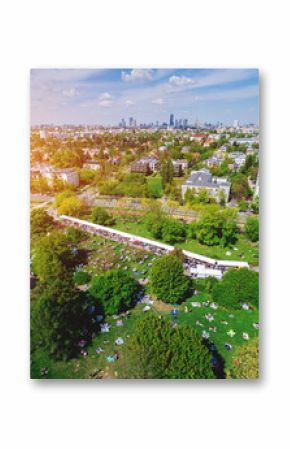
(106, 97)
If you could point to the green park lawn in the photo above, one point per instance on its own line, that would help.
(93, 363)
(245, 250)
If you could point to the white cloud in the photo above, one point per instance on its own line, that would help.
(70, 92)
(105, 99)
(129, 102)
(158, 101)
(105, 96)
(181, 81)
(138, 75)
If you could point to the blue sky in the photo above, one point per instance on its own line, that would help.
(104, 96)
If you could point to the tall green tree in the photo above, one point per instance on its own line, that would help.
(217, 228)
(115, 290)
(156, 350)
(252, 229)
(166, 171)
(52, 257)
(168, 281)
(237, 286)
(240, 188)
(58, 319)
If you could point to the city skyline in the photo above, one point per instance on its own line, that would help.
(104, 97)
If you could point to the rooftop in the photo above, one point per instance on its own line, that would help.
(203, 178)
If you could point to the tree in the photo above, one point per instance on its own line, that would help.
(240, 188)
(237, 286)
(58, 319)
(217, 228)
(40, 221)
(154, 221)
(52, 257)
(222, 197)
(168, 281)
(191, 229)
(245, 364)
(67, 158)
(115, 290)
(101, 216)
(252, 229)
(156, 350)
(60, 197)
(72, 206)
(173, 231)
(166, 171)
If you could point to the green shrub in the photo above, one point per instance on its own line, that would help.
(82, 277)
(115, 290)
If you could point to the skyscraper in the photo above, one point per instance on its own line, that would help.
(171, 120)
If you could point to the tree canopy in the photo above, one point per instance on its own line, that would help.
(71, 206)
(59, 319)
(168, 281)
(173, 231)
(157, 350)
(246, 361)
(115, 290)
(240, 188)
(40, 221)
(252, 229)
(166, 171)
(237, 286)
(217, 228)
(52, 256)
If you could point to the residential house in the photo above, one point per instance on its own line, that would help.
(203, 179)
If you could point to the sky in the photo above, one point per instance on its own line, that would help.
(105, 96)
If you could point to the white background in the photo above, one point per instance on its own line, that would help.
(153, 414)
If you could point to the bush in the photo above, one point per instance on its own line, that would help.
(252, 229)
(168, 280)
(75, 235)
(115, 290)
(71, 206)
(156, 350)
(40, 221)
(173, 231)
(237, 286)
(246, 362)
(101, 216)
(243, 206)
(82, 277)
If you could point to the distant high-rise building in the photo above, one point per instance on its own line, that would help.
(171, 120)
(236, 124)
(185, 123)
(123, 123)
(131, 122)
